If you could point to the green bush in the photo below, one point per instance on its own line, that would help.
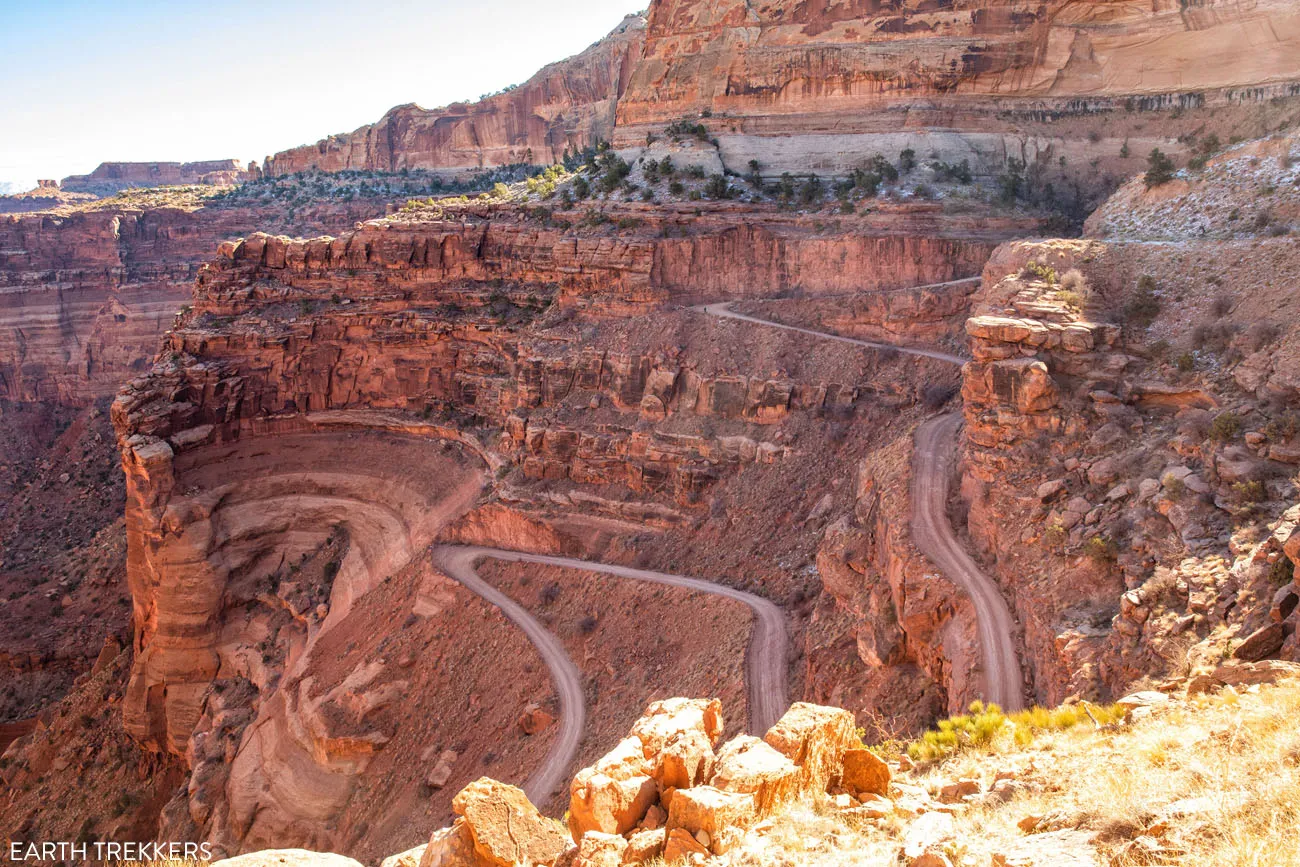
(985, 727)
(1160, 169)
(1226, 426)
(1143, 308)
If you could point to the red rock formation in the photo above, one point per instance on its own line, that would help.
(803, 87)
(85, 296)
(566, 106)
(108, 178)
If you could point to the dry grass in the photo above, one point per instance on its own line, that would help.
(1210, 782)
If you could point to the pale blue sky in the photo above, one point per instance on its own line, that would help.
(146, 80)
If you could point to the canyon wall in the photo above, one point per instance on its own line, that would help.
(566, 106)
(84, 296)
(1082, 90)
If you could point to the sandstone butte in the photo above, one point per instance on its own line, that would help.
(271, 449)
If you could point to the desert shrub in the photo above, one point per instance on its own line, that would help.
(1035, 269)
(1175, 487)
(1143, 308)
(959, 172)
(1055, 534)
(1250, 492)
(1011, 183)
(588, 624)
(1186, 362)
(718, 188)
(676, 188)
(1074, 281)
(1160, 169)
(687, 129)
(1101, 550)
(695, 172)
(1285, 427)
(1261, 334)
(985, 727)
(1226, 426)
(1282, 572)
(906, 161)
(811, 191)
(1223, 305)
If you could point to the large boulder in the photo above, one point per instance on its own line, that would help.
(506, 828)
(815, 738)
(666, 720)
(707, 812)
(747, 765)
(612, 795)
(686, 760)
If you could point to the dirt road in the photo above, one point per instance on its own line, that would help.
(932, 455)
(765, 661)
(935, 447)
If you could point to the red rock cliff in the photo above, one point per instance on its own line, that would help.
(569, 104)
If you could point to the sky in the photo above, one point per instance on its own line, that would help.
(132, 80)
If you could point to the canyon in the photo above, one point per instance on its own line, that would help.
(380, 490)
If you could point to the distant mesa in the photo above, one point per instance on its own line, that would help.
(114, 177)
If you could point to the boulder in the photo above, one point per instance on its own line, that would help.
(644, 845)
(710, 810)
(865, 773)
(815, 738)
(952, 793)
(680, 846)
(287, 858)
(1264, 643)
(612, 795)
(750, 766)
(534, 720)
(663, 720)
(505, 827)
(596, 849)
(686, 760)
(1236, 673)
(441, 772)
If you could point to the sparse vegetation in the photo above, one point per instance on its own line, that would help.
(1160, 169)
(985, 728)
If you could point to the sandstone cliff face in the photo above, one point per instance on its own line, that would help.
(84, 296)
(820, 87)
(815, 86)
(566, 106)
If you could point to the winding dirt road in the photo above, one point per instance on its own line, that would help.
(765, 661)
(932, 454)
(935, 446)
